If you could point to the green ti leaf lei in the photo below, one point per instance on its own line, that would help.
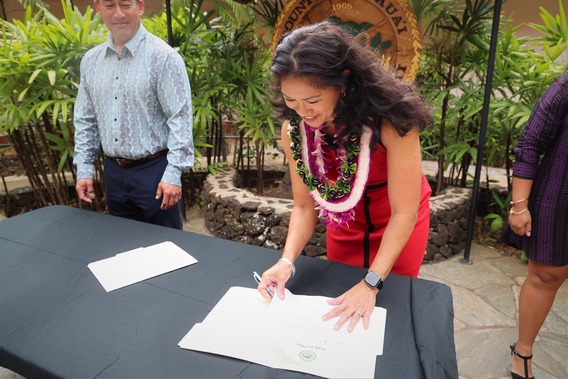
(348, 163)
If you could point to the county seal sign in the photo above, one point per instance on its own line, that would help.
(388, 26)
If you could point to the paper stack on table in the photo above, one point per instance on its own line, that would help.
(288, 334)
(140, 264)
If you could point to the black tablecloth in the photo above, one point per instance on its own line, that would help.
(57, 320)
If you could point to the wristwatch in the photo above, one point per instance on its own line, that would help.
(373, 280)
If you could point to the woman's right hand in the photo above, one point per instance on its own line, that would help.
(521, 223)
(275, 278)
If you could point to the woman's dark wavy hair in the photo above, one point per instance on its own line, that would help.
(321, 53)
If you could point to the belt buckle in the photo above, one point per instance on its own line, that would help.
(122, 161)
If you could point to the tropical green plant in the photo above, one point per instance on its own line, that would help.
(193, 36)
(39, 76)
(458, 37)
(255, 113)
(226, 61)
(426, 10)
(497, 220)
(520, 77)
(554, 31)
(268, 12)
(452, 77)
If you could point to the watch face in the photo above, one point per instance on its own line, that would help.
(373, 280)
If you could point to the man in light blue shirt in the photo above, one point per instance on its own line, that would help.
(134, 100)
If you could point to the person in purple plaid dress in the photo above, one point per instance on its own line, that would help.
(538, 220)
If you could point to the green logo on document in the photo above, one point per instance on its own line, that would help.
(307, 355)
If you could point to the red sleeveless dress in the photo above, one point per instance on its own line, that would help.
(357, 243)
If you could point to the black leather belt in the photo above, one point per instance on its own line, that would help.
(123, 162)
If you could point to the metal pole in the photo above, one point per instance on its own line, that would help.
(482, 132)
(169, 23)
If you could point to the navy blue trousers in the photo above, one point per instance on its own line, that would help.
(131, 193)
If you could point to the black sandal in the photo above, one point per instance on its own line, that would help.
(526, 361)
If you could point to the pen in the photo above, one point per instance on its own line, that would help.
(257, 279)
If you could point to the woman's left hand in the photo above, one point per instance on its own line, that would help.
(356, 304)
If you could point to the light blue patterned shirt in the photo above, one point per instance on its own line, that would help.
(134, 103)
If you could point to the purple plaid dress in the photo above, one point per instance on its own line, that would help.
(546, 136)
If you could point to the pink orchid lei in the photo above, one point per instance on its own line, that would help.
(336, 202)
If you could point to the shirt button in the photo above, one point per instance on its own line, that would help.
(115, 119)
(117, 78)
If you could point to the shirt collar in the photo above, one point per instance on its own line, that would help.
(132, 45)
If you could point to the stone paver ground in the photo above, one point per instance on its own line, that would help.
(485, 295)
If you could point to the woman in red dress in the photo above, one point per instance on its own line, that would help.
(351, 135)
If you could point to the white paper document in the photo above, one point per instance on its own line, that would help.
(288, 334)
(139, 264)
